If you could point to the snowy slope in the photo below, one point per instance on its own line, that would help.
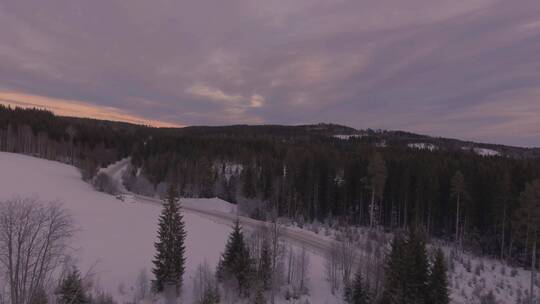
(116, 238)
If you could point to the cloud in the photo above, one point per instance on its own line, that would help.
(419, 65)
(76, 108)
(207, 92)
(256, 101)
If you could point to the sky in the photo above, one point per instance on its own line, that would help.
(466, 69)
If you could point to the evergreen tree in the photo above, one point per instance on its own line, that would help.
(265, 265)
(438, 280)
(407, 271)
(169, 261)
(394, 288)
(356, 293)
(235, 262)
(458, 191)
(71, 289)
(39, 296)
(416, 269)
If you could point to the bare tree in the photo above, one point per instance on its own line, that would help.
(333, 267)
(276, 232)
(347, 257)
(33, 243)
(377, 179)
(303, 270)
(205, 287)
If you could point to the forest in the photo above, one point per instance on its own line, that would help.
(305, 173)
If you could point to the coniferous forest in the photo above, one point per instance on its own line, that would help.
(306, 173)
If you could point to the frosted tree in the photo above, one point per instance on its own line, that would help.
(169, 261)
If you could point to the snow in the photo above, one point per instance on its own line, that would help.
(483, 151)
(423, 146)
(115, 238)
(348, 136)
(486, 152)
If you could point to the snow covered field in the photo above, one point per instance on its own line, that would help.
(115, 239)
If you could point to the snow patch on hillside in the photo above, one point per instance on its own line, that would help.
(348, 136)
(486, 152)
(423, 146)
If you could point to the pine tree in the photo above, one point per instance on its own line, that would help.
(438, 281)
(169, 261)
(417, 269)
(356, 292)
(265, 266)
(71, 289)
(407, 271)
(458, 191)
(235, 262)
(394, 289)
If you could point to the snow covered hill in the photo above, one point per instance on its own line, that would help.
(115, 239)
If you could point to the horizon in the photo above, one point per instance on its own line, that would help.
(450, 69)
(270, 124)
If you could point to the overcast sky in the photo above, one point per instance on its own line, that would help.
(460, 68)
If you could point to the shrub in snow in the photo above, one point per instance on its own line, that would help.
(122, 288)
(488, 298)
(467, 265)
(514, 272)
(104, 183)
(479, 268)
(142, 286)
(102, 298)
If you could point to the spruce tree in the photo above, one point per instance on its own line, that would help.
(417, 268)
(356, 292)
(71, 289)
(169, 261)
(407, 271)
(235, 262)
(438, 281)
(394, 289)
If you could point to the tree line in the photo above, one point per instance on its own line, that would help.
(302, 173)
